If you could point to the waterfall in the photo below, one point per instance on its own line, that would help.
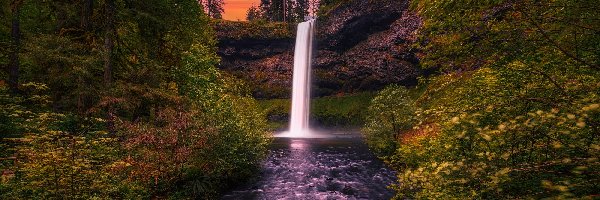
(301, 85)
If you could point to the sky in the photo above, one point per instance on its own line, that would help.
(236, 9)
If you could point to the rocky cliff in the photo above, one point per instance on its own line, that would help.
(361, 45)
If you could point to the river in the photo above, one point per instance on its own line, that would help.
(324, 168)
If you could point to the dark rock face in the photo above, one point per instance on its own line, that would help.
(361, 46)
(253, 49)
(354, 22)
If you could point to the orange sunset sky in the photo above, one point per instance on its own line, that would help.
(236, 9)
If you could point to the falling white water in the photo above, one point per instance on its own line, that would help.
(301, 85)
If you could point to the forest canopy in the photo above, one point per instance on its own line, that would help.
(119, 99)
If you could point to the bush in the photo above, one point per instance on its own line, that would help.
(199, 144)
(515, 113)
(201, 135)
(492, 134)
(57, 155)
(390, 112)
(550, 153)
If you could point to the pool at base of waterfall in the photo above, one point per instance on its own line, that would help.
(319, 168)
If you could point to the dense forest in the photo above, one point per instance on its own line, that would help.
(126, 99)
(119, 99)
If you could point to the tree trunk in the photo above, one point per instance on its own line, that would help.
(85, 25)
(208, 7)
(86, 14)
(13, 68)
(109, 36)
(59, 8)
(201, 3)
(109, 42)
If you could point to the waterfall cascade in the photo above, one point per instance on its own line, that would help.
(301, 81)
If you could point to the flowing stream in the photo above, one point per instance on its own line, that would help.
(319, 168)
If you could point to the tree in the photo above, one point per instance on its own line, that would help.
(301, 9)
(213, 8)
(109, 35)
(264, 7)
(13, 68)
(87, 11)
(289, 8)
(517, 29)
(284, 10)
(314, 6)
(275, 10)
(253, 14)
(147, 64)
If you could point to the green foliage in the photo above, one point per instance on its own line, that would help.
(14, 112)
(62, 164)
(169, 125)
(57, 155)
(515, 116)
(468, 34)
(390, 112)
(499, 146)
(69, 70)
(277, 112)
(204, 135)
(342, 112)
(239, 139)
(349, 110)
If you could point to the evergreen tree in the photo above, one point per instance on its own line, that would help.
(301, 9)
(275, 11)
(253, 14)
(285, 10)
(213, 8)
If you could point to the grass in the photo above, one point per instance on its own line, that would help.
(331, 112)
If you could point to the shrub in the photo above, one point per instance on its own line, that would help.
(515, 113)
(390, 112)
(57, 155)
(198, 144)
(551, 153)
(494, 134)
